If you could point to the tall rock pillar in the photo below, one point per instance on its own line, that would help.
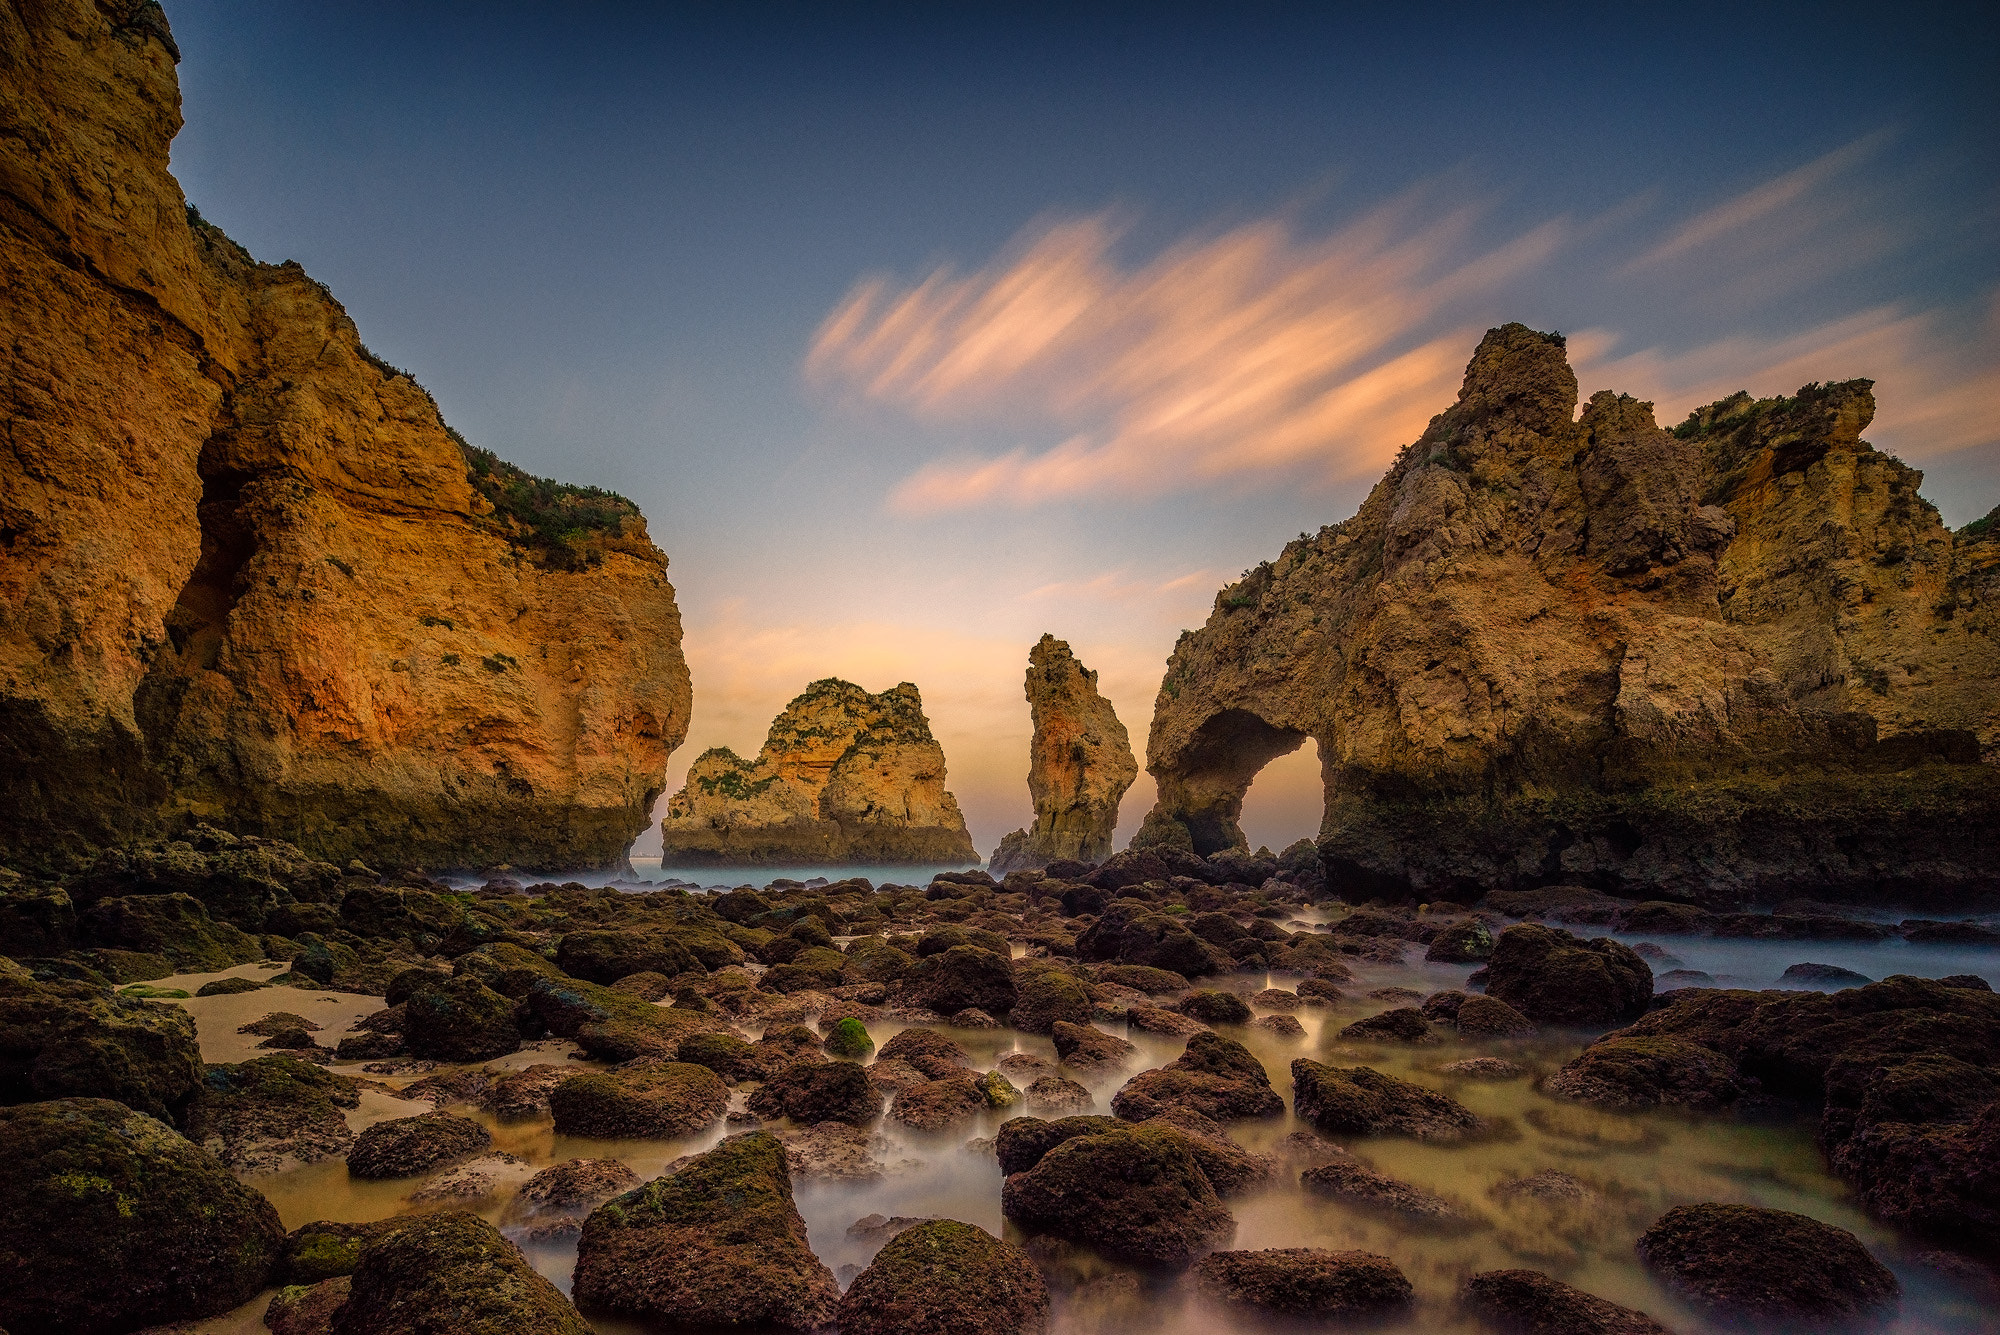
(1079, 764)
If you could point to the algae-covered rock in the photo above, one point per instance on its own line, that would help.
(1135, 1194)
(451, 1274)
(1527, 1302)
(176, 925)
(271, 1113)
(74, 1040)
(114, 1221)
(325, 1249)
(1361, 1101)
(964, 978)
(553, 1202)
(939, 1105)
(1632, 1072)
(849, 1039)
(1214, 1007)
(1022, 1141)
(728, 1055)
(640, 1099)
(809, 1092)
(1305, 1282)
(1401, 1024)
(942, 1277)
(1128, 933)
(717, 1243)
(1047, 999)
(307, 1309)
(612, 1025)
(1553, 977)
(459, 1020)
(229, 987)
(1353, 1184)
(406, 1146)
(1215, 1076)
(1083, 1045)
(607, 956)
(1740, 1262)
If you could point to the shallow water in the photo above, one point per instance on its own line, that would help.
(1638, 1165)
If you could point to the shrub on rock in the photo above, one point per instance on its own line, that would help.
(942, 1277)
(1136, 1195)
(1553, 977)
(819, 1091)
(1739, 1262)
(114, 1221)
(1216, 1077)
(451, 1274)
(406, 1146)
(717, 1243)
(1361, 1101)
(1308, 1282)
(1530, 1302)
(642, 1099)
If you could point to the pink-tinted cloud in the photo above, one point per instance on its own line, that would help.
(1255, 352)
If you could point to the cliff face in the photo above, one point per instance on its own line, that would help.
(844, 776)
(1737, 659)
(1079, 764)
(247, 575)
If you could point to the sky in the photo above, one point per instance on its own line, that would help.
(917, 331)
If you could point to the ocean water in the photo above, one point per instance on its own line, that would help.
(1637, 1165)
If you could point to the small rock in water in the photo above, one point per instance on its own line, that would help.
(1083, 1045)
(1403, 1024)
(1305, 1282)
(406, 1146)
(941, 1275)
(1547, 1185)
(1739, 1262)
(472, 1181)
(1351, 1183)
(1658, 956)
(937, 1105)
(1402, 996)
(1054, 1094)
(1484, 1068)
(834, 1150)
(1359, 1100)
(1277, 999)
(1284, 1026)
(1823, 975)
(1673, 978)
(880, 1228)
(1026, 1067)
(973, 1018)
(1528, 1300)
(1153, 1020)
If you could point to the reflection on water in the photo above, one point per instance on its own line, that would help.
(1635, 1166)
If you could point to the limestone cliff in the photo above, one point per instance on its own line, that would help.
(1079, 765)
(844, 776)
(1737, 659)
(247, 575)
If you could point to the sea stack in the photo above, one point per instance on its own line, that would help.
(844, 777)
(248, 576)
(1736, 660)
(1079, 765)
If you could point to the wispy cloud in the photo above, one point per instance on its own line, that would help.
(1254, 352)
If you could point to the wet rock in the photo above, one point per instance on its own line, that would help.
(929, 1051)
(612, 1026)
(938, 1105)
(1215, 1076)
(606, 956)
(1738, 1262)
(1676, 978)
(1631, 1072)
(834, 1151)
(459, 1020)
(1466, 942)
(451, 1088)
(1490, 1017)
(174, 925)
(1484, 1068)
(451, 1274)
(849, 1038)
(1023, 1141)
(1127, 933)
(1052, 1094)
(1153, 1020)
(1320, 991)
(716, 1243)
(998, 1091)
(114, 1221)
(649, 987)
(1547, 1185)
(1658, 957)
(229, 987)
(1026, 1067)
(1358, 1100)
(1284, 1026)
(1822, 975)
(727, 1055)
(1214, 1008)
(369, 1047)
(1047, 999)
(1142, 978)
(1553, 977)
(642, 1099)
(880, 1228)
(516, 1095)
(1920, 1133)
(1399, 995)
(894, 1074)
(406, 1146)
(809, 1092)
(472, 1181)
(972, 1018)
(307, 1309)
(323, 1250)
(1135, 1195)
(1355, 1185)
(942, 1277)
(553, 1203)
(1276, 999)
(1404, 1024)
(1527, 1302)
(270, 1113)
(1228, 1167)
(961, 978)
(1305, 1282)
(74, 1040)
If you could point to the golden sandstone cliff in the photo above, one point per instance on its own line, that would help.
(247, 574)
(844, 776)
(1736, 660)
(1079, 765)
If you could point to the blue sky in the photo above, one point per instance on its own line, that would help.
(917, 331)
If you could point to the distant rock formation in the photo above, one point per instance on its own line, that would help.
(1079, 765)
(247, 574)
(1738, 659)
(844, 776)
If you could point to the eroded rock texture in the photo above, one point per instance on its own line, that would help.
(844, 776)
(1735, 659)
(247, 574)
(1079, 765)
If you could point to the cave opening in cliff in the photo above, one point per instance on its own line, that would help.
(1286, 800)
(200, 617)
(1230, 750)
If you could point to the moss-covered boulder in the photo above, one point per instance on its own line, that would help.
(1553, 977)
(607, 956)
(1305, 1282)
(729, 1056)
(1128, 933)
(114, 1221)
(325, 1249)
(1530, 1302)
(1135, 1195)
(717, 1243)
(935, 1054)
(75, 1040)
(1214, 1007)
(307, 1309)
(1215, 1076)
(271, 1113)
(230, 987)
(943, 1277)
(1400, 1024)
(1047, 998)
(451, 1274)
(459, 1020)
(1361, 1101)
(612, 1025)
(506, 967)
(1084, 1046)
(37, 919)
(642, 1099)
(819, 1091)
(1022, 1141)
(964, 978)
(938, 1105)
(849, 1038)
(177, 926)
(406, 1146)
(1742, 1263)
(1633, 1072)
(1465, 942)
(1490, 1017)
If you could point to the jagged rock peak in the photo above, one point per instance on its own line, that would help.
(844, 776)
(248, 576)
(1738, 658)
(1079, 764)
